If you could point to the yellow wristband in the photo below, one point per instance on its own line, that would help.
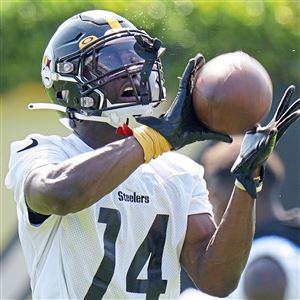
(152, 142)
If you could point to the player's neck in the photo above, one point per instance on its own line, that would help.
(96, 134)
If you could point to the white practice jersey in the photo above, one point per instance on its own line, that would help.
(125, 246)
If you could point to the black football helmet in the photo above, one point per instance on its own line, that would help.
(99, 67)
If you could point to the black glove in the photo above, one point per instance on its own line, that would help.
(179, 124)
(258, 144)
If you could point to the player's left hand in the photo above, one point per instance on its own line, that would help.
(258, 144)
(179, 125)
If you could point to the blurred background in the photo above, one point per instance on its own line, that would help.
(267, 30)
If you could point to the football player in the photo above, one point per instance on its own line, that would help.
(115, 216)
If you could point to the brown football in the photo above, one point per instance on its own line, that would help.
(232, 93)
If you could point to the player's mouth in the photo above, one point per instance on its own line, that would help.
(129, 93)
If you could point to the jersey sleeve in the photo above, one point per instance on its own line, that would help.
(188, 177)
(200, 202)
(23, 160)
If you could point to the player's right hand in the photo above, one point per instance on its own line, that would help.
(179, 125)
(258, 144)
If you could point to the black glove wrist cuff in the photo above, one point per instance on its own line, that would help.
(251, 185)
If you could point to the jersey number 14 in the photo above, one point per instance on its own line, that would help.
(152, 246)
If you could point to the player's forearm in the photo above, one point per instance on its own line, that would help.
(228, 250)
(82, 180)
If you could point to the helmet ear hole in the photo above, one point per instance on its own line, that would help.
(62, 96)
(59, 96)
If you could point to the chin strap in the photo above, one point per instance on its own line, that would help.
(72, 114)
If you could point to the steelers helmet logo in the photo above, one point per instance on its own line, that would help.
(47, 68)
(86, 41)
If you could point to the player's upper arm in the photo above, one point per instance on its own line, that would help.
(200, 229)
(31, 162)
(38, 194)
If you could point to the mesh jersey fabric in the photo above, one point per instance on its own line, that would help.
(125, 246)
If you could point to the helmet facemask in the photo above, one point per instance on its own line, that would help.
(114, 68)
